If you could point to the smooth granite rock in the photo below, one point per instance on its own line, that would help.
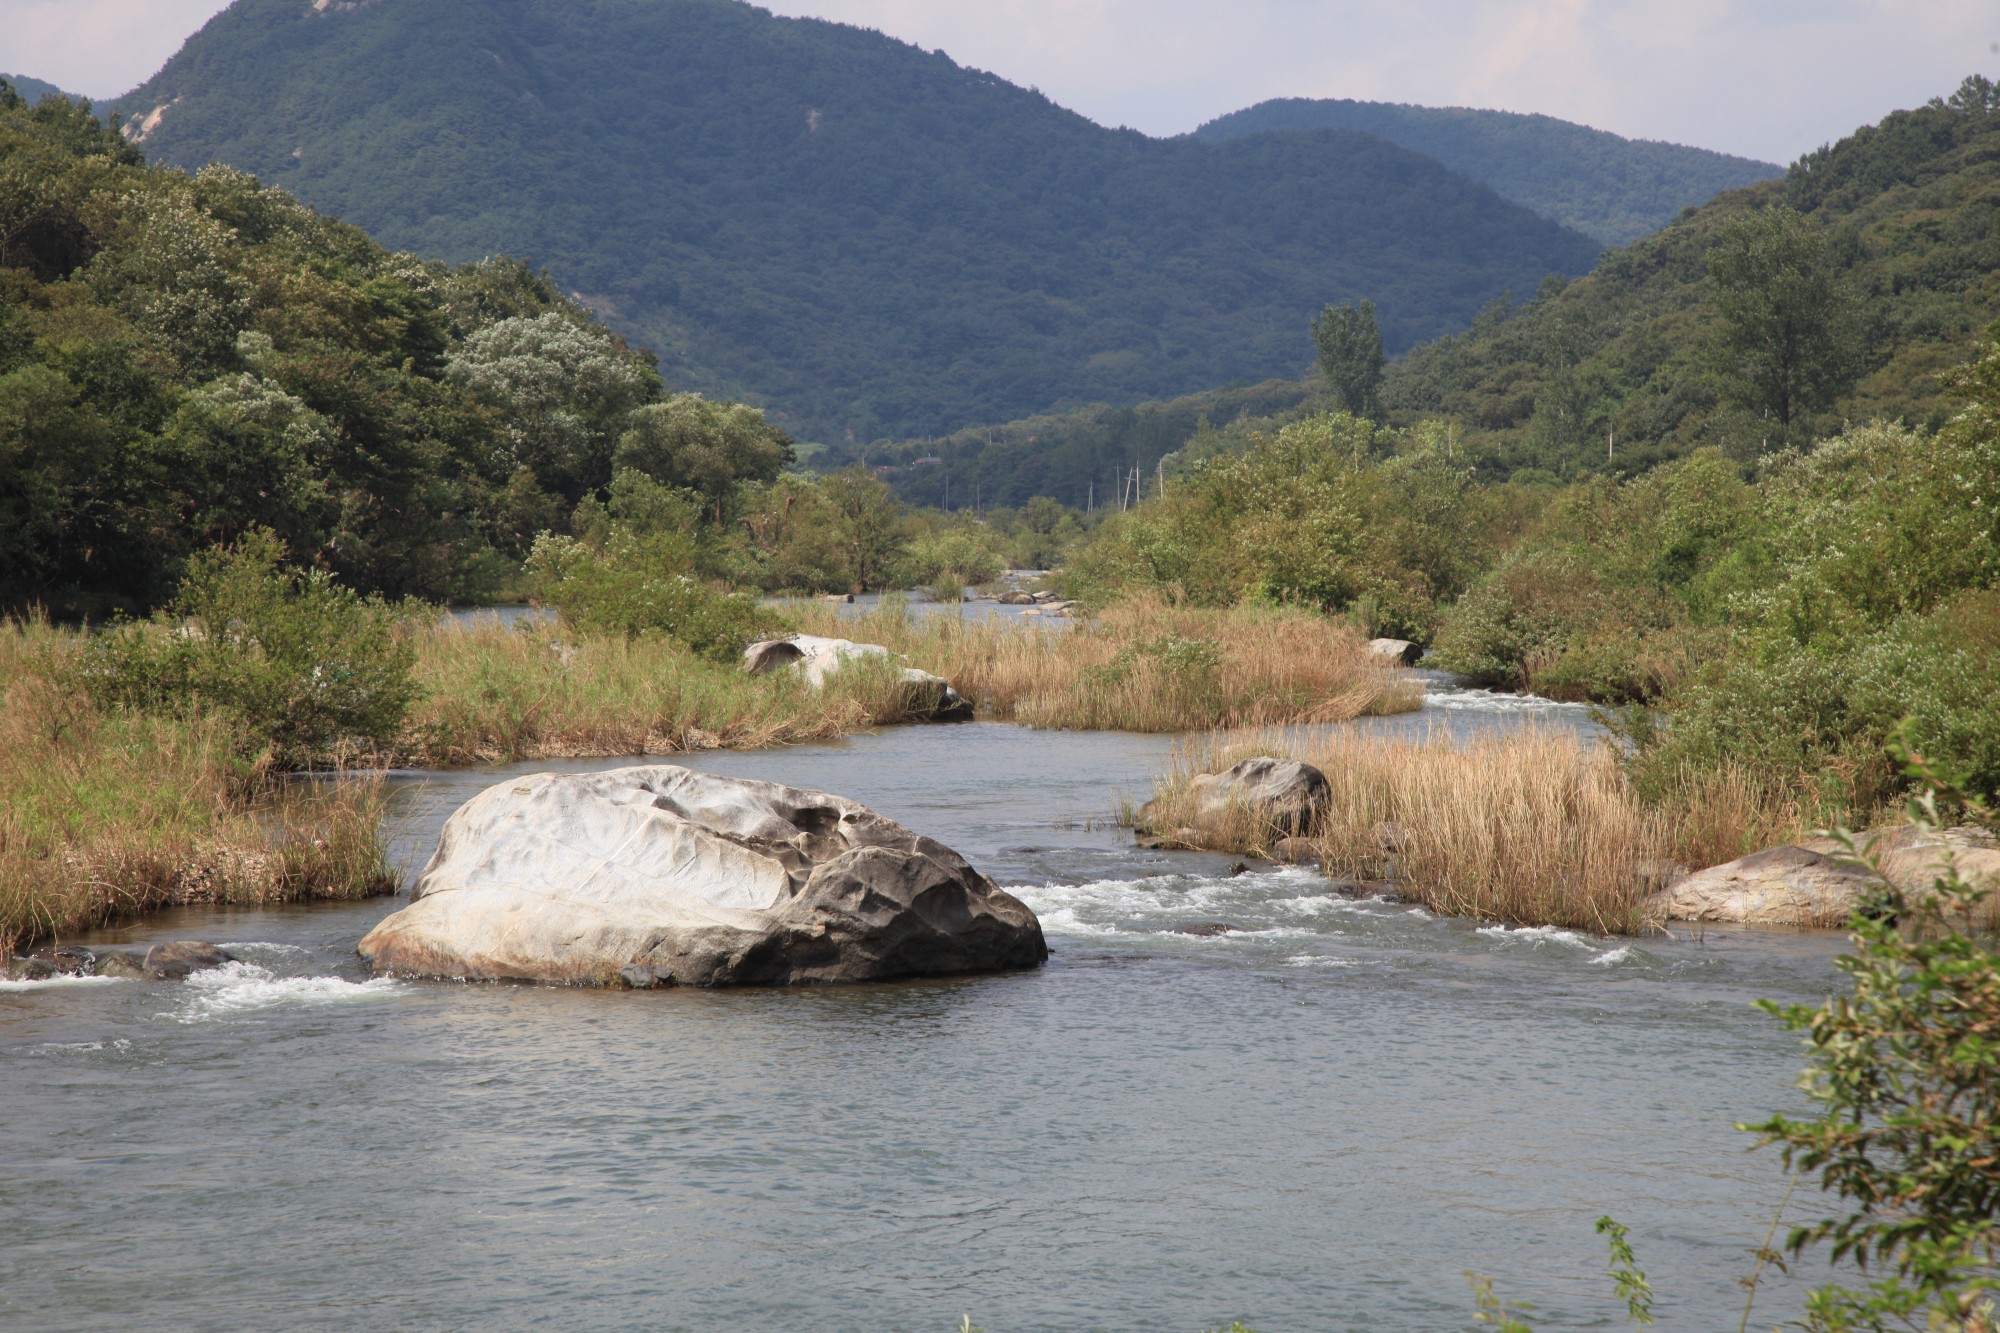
(817, 658)
(693, 879)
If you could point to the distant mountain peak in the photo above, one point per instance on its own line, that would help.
(1603, 184)
(858, 234)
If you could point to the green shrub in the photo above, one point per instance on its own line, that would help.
(640, 585)
(307, 670)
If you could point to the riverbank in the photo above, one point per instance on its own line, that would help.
(111, 810)
(1533, 828)
(107, 813)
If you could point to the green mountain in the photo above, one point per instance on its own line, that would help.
(1903, 218)
(1602, 184)
(1879, 256)
(32, 91)
(859, 234)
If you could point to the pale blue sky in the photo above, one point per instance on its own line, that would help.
(1766, 78)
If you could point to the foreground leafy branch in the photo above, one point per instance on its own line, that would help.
(1906, 1075)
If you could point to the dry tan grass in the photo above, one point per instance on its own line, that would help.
(105, 814)
(1145, 666)
(493, 694)
(1531, 828)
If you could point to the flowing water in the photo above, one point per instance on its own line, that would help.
(1312, 1121)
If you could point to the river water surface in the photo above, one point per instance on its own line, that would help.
(1312, 1122)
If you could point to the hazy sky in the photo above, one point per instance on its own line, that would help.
(1766, 78)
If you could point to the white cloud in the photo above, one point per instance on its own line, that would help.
(1768, 78)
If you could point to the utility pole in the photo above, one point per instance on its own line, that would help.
(1608, 434)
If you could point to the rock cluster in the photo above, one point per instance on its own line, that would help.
(659, 875)
(169, 961)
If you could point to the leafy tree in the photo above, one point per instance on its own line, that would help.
(565, 387)
(708, 447)
(1791, 324)
(1350, 355)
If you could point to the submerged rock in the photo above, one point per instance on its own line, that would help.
(175, 959)
(1819, 883)
(817, 658)
(689, 878)
(122, 963)
(171, 961)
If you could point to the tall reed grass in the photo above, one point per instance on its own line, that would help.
(1531, 828)
(105, 812)
(1144, 665)
(491, 694)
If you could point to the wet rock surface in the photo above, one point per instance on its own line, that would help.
(664, 874)
(173, 960)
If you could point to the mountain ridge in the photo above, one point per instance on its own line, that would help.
(1603, 184)
(863, 236)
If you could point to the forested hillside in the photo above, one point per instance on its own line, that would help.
(185, 358)
(1842, 292)
(1604, 185)
(33, 90)
(861, 235)
(1080, 457)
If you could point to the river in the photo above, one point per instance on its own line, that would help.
(1313, 1122)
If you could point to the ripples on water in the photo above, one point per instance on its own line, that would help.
(1312, 1120)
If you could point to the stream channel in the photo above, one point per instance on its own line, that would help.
(1315, 1122)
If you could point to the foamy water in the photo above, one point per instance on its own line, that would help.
(242, 987)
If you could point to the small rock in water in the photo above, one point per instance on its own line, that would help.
(1206, 929)
(1240, 868)
(69, 962)
(122, 963)
(175, 959)
(1295, 850)
(30, 969)
(637, 976)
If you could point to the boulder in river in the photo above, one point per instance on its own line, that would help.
(1818, 883)
(816, 658)
(175, 959)
(1285, 793)
(1399, 651)
(688, 878)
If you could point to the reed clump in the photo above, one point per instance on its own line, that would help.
(108, 811)
(488, 693)
(1533, 828)
(1144, 665)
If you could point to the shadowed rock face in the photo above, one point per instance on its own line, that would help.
(664, 873)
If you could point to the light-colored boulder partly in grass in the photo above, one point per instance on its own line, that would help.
(1401, 652)
(816, 658)
(1819, 883)
(1282, 793)
(684, 877)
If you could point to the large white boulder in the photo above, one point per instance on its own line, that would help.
(816, 658)
(659, 874)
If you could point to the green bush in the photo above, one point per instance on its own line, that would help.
(308, 671)
(632, 572)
